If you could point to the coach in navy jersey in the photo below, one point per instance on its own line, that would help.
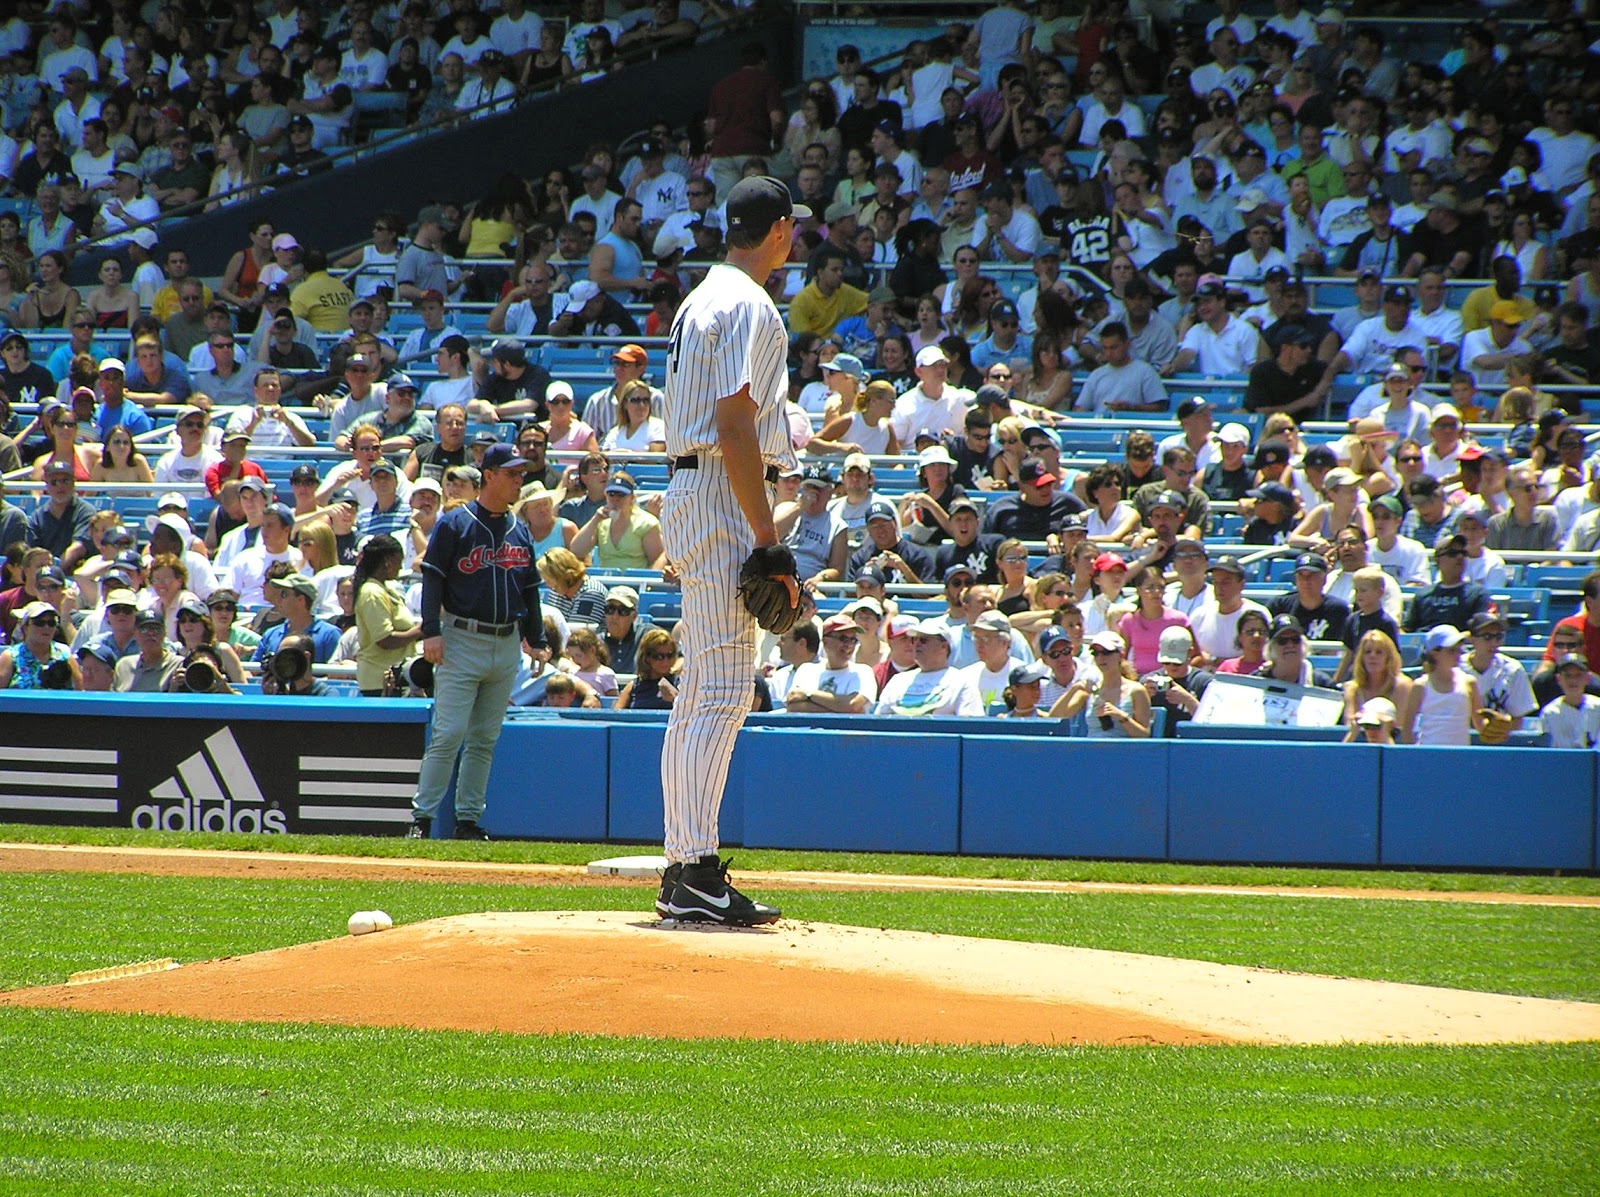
(479, 591)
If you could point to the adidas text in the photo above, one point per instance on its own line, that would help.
(191, 815)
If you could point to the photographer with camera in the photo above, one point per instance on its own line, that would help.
(148, 670)
(37, 661)
(479, 589)
(288, 671)
(386, 628)
(201, 673)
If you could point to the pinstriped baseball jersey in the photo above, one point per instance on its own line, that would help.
(728, 334)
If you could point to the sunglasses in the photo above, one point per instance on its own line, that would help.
(615, 609)
(1059, 654)
(44, 621)
(1103, 652)
(218, 607)
(1290, 640)
(1409, 457)
(661, 656)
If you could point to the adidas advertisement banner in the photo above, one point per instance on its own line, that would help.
(260, 777)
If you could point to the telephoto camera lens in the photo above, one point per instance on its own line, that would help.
(200, 676)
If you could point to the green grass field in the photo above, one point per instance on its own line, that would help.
(101, 1104)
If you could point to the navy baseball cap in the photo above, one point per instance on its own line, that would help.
(1273, 492)
(501, 457)
(881, 509)
(817, 475)
(101, 650)
(960, 567)
(756, 204)
(1169, 498)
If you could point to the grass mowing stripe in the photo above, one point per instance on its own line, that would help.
(150, 1105)
(1533, 950)
(1012, 868)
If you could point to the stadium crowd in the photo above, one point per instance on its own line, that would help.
(1022, 228)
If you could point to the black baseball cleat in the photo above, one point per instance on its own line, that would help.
(466, 829)
(420, 829)
(703, 895)
(669, 882)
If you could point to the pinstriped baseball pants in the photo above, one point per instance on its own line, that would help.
(707, 537)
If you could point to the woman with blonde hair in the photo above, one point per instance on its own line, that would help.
(578, 597)
(1005, 465)
(319, 547)
(1282, 427)
(864, 428)
(636, 429)
(120, 460)
(1377, 674)
(655, 685)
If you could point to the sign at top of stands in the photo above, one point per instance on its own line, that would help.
(256, 777)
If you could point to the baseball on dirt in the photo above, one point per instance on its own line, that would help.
(363, 922)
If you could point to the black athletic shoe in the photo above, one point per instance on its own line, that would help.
(466, 829)
(703, 895)
(420, 829)
(669, 882)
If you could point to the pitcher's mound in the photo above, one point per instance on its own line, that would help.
(624, 974)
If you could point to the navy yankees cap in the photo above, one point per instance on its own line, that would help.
(501, 457)
(756, 204)
(881, 509)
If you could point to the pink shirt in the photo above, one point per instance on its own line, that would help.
(577, 438)
(1144, 636)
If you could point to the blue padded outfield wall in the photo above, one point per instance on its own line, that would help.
(834, 782)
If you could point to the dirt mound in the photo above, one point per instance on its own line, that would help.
(617, 973)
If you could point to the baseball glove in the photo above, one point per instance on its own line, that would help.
(769, 587)
(1496, 726)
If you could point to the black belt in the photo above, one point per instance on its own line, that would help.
(483, 629)
(691, 461)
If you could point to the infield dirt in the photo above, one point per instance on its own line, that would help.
(618, 973)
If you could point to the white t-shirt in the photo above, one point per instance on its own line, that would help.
(1213, 631)
(173, 466)
(1373, 344)
(1479, 343)
(940, 692)
(992, 683)
(1229, 352)
(1406, 562)
(248, 574)
(852, 679)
